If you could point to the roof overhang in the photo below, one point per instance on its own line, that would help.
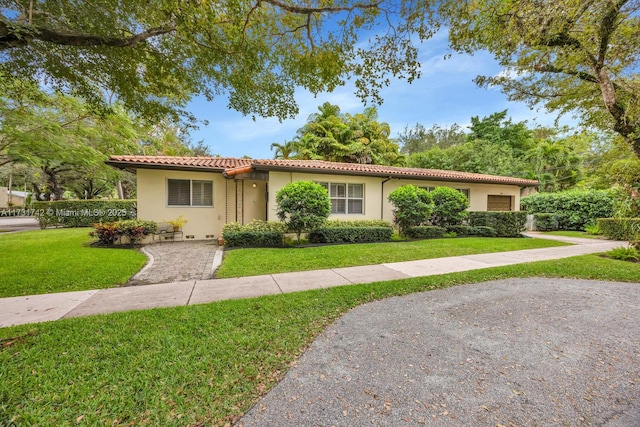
(395, 175)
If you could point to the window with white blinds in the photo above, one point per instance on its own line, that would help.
(186, 192)
(345, 198)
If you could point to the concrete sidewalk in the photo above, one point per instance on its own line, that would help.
(47, 307)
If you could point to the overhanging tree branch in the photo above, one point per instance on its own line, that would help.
(22, 35)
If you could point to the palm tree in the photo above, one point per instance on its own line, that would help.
(284, 151)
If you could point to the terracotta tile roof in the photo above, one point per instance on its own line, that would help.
(232, 166)
(389, 171)
(176, 162)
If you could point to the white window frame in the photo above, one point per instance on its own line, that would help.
(194, 201)
(329, 186)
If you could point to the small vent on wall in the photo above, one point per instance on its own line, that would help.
(209, 236)
(191, 237)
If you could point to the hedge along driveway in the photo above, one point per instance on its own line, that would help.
(61, 260)
(258, 261)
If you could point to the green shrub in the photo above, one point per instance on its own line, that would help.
(545, 221)
(255, 225)
(257, 233)
(83, 213)
(350, 234)
(303, 206)
(449, 207)
(506, 224)
(573, 209)
(467, 230)
(624, 253)
(593, 229)
(425, 232)
(250, 238)
(412, 206)
(620, 228)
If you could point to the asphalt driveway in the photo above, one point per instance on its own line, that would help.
(517, 352)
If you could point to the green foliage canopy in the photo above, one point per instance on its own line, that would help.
(333, 136)
(155, 57)
(571, 56)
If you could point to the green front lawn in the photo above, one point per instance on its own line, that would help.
(199, 365)
(60, 260)
(254, 262)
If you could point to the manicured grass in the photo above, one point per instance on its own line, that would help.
(253, 262)
(569, 233)
(199, 365)
(60, 260)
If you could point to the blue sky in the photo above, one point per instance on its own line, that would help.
(444, 95)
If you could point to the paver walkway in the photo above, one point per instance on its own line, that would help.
(177, 261)
(40, 308)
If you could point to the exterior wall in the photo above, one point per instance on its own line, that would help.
(377, 190)
(203, 221)
(372, 191)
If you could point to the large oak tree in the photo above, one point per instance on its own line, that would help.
(572, 56)
(154, 56)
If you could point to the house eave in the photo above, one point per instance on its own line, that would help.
(132, 166)
(394, 175)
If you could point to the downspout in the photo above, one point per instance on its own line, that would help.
(382, 197)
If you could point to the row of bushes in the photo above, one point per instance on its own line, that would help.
(257, 233)
(271, 234)
(133, 230)
(435, 232)
(350, 234)
(506, 224)
(569, 210)
(620, 228)
(82, 213)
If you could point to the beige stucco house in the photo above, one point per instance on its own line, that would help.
(212, 191)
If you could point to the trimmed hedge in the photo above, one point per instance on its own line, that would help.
(257, 233)
(467, 230)
(342, 234)
(573, 209)
(253, 238)
(83, 213)
(620, 228)
(506, 224)
(425, 232)
(545, 221)
(357, 223)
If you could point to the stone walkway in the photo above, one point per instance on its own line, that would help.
(176, 262)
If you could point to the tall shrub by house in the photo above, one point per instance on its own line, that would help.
(573, 209)
(449, 207)
(412, 206)
(303, 206)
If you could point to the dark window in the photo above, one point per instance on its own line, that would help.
(185, 192)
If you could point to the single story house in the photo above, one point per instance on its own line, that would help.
(212, 191)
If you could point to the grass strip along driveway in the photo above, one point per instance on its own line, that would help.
(254, 262)
(61, 260)
(204, 364)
